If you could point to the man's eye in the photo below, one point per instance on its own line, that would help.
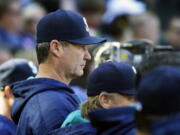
(84, 47)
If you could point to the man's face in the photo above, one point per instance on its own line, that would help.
(74, 59)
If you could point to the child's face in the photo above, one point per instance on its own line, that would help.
(119, 100)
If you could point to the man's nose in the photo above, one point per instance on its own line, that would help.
(87, 55)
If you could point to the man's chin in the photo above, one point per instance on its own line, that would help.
(79, 74)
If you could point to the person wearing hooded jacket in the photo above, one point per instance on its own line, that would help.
(109, 109)
(42, 103)
(11, 71)
(159, 115)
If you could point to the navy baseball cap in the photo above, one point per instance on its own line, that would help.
(112, 77)
(16, 70)
(159, 91)
(65, 25)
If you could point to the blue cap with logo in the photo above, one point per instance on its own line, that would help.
(65, 25)
(112, 77)
(159, 91)
(15, 70)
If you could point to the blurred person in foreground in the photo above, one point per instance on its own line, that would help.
(158, 94)
(11, 71)
(42, 103)
(108, 109)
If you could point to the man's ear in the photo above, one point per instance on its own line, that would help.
(105, 100)
(56, 48)
(7, 91)
(9, 95)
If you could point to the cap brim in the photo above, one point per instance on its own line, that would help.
(88, 40)
(129, 92)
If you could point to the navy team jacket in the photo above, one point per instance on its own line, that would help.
(7, 127)
(41, 105)
(169, 125)
(115, 121)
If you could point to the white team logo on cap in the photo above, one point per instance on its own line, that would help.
(87, 28)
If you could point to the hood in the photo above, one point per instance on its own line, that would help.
(114, 121)
(166, 126)
(24, 90)
(75, 129)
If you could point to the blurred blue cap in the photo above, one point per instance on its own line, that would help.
(15, 70)
(159, 91)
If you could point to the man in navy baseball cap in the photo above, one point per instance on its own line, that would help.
(158, 90)
(11, 71)
(159, 96)
(62, 53)
(110, 85)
